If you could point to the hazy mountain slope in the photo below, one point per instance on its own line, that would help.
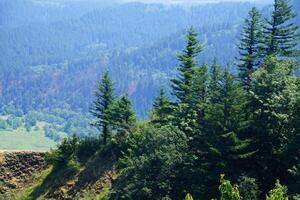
(58, 60)
(116, 28)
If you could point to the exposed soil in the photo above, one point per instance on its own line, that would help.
(16, 168)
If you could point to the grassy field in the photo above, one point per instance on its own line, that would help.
(21, 140)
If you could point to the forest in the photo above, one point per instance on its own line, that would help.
(53, 53)
(218, 134)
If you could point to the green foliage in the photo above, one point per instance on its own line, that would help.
(101, 107)
(188, 197)
(162, 109)
(273, 102)
(250, 48)
(65, 152)
(122, 116)
(183, 85)
(248, 188)
(158, 151)
(227, 191)
(278, 193)
(280, 35)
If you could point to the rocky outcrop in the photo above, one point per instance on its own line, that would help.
(18, 167)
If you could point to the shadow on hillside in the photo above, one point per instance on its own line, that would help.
(55, 180)
(99, 168)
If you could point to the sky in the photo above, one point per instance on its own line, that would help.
(199, 1)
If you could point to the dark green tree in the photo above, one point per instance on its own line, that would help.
(162, 109)
(104, 98)
(152, 165)
(122, 115)
(200, 87)
(250, 48)
(273, 105)
(185, 113)
(224, 117)
(280, 33)
(182, 86)
(292, 151)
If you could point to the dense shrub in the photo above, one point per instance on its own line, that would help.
(278, 193)
(65, 152)
(151, 164)
(227, 191)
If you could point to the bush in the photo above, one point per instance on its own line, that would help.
(64, 153)
(160, 153)
(278, 193)
(228, 192)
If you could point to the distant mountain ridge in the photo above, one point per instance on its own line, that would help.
(58, 53)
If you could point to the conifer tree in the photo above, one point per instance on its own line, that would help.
(200, 84)
(122, 115)
(182, 86)
(273, 102)
(250, 47)
(162, 109)
(292, 151)
(101, 107)
(185, 113)
(214, 87)
(280, 33)
(222, 149)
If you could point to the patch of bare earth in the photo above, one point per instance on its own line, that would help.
(16, 168)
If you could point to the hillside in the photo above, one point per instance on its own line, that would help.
(84, 44)
(127, 100)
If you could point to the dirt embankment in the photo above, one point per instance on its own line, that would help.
(18, 167)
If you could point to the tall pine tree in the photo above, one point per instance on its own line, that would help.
(250, 48)
(182, 86)
(185, 113)
(224, 115)
(101, 107)
(280, 33)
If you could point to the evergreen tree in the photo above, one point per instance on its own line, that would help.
(273, 103)
(185, 113)
(182, 86)
(219, 147)
(250, 48)
(292, 151)
(200, 84)
(122, 115)
(101, 106)
(280, 33)
(214, 87)
(162, 109)
(226, 116)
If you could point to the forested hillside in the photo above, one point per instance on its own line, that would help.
(215, 133)
(52, 53)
